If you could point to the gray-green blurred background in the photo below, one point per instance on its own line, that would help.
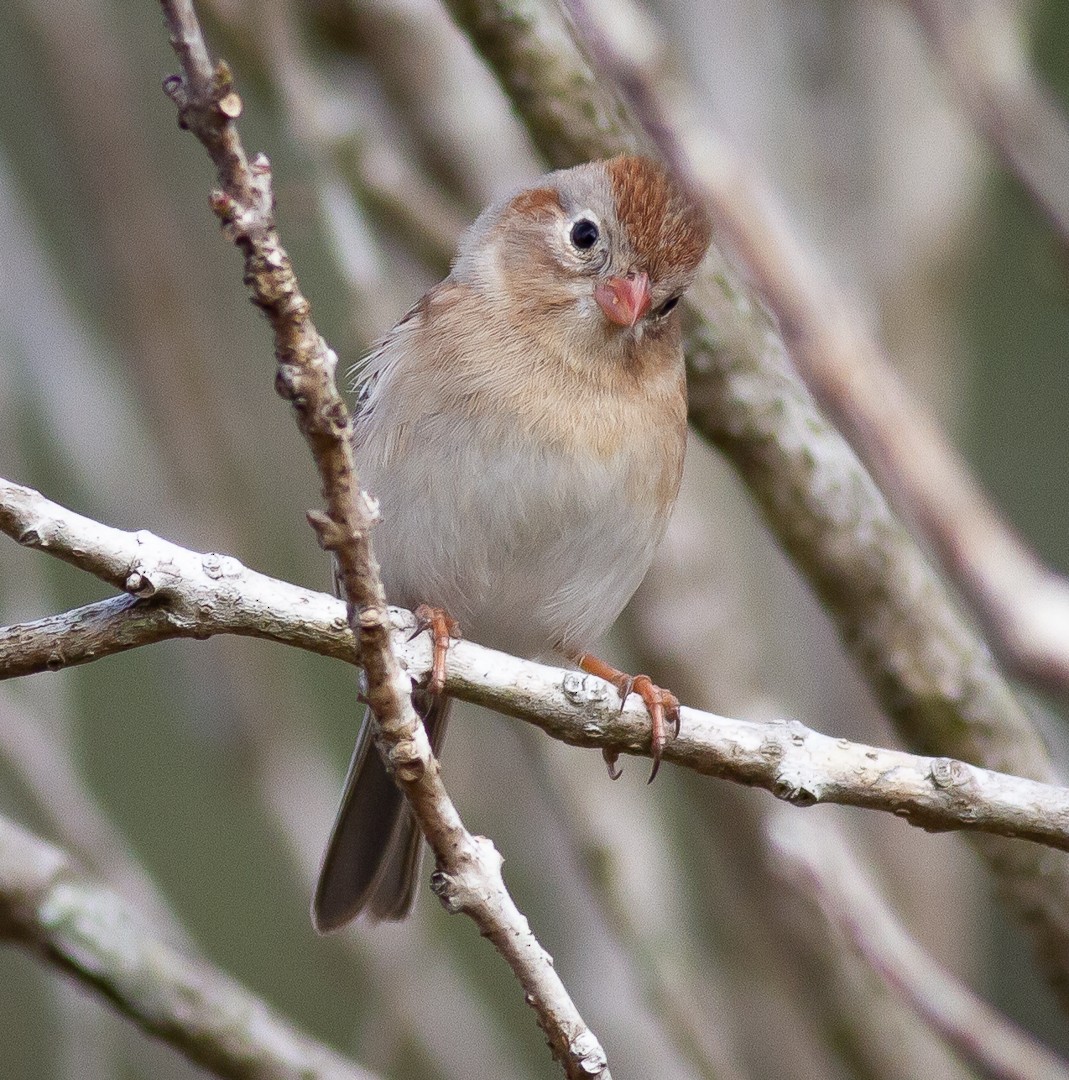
(136, 386)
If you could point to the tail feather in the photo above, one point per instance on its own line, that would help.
(372, 858)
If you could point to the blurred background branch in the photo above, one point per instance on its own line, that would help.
(818, 862)
(982, 46)
(90, 934)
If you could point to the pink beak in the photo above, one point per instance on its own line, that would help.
(624, 300)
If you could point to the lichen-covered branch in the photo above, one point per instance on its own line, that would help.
(186, 594)
(92, 935)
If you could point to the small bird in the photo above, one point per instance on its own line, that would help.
(523, 427)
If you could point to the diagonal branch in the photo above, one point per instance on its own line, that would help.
(1022, 605)
(194, 595)
(934, 676)
(469, 868)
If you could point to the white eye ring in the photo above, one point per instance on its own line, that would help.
(583, 232)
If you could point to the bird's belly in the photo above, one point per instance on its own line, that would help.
(526, 547)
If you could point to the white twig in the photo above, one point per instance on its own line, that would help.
(180, 593)
(818, 861)
(468, 876)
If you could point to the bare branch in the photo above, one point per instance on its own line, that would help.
(90, 934)
(469, 868)
(194, 595)
(818, 862)
(171, 592)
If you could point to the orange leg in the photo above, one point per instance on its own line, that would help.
(662, 705)
(442, 627)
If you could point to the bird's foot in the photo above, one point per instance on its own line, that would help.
(662, 705)
(442, 627)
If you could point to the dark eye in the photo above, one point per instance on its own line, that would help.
(585, 234)
(667, 306)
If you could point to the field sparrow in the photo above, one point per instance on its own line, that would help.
(523, 427)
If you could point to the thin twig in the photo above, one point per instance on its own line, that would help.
(182, 593)
(469, 868)
(628, 868)
(92, 935)
(431, 1008)
(816, 860)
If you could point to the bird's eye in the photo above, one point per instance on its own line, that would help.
(667, 306)
(584, 234)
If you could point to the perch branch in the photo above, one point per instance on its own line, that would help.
(182, 593)
(469, 867)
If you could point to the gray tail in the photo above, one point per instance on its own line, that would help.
(372, 859)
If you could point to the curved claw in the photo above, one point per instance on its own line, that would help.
(611, 757)
(662, 706)
(624, 686)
